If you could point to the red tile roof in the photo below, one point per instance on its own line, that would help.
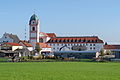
(13, 44)
(51, 34)
(43, 33)
(44, 45)
(111, 46)
(25, 43)
(90, 39)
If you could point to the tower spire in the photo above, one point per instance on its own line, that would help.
(34, 29)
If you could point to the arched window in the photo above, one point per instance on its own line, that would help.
(33, 28)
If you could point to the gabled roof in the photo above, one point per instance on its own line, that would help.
(111, 46)
(22, 50)
(13, 44)
(44, 45)
(14, 37)
(43, 34)
(51, 35)
(25, 43)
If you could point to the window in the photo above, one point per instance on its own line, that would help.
(51, 40)
(96, 40)
(90, 47)
(93, 44)
(94, 48)
(80, 40)
(41, 40)
(64, 40)
(75, 40)
(84, 40)
(33, 22)
(68, 40)
(88, 40)
(55, 40)
(33, 28)
(59, 40)
(90, 44)
(92, 40)
(72, 40)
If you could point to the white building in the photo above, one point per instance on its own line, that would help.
(11, 46)
(113, 49)
(35, 36)
(45, 48)
(9, 38)
(85, 43)
(27, 45)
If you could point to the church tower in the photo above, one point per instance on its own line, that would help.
(34, 26)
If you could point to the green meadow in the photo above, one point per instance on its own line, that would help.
(59, 71)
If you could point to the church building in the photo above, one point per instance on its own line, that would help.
(57, 43)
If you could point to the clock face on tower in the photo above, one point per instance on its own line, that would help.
(33, 22)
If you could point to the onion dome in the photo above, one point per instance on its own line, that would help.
(34, 17)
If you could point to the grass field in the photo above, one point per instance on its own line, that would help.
(59, 71)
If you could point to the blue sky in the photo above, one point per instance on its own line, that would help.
(63, 17)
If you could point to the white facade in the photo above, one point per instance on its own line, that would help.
(16, 47)
(5, 38)
(90, 46)
(30, 48)
(44, 37)
(46, 50)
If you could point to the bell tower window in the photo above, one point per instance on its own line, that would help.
(33, 28)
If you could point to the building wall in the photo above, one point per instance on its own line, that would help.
(5, 38)
(16, 47)
(115, 52)
(30, 48)
(46, 49)
(34, 33)
(90, 46)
